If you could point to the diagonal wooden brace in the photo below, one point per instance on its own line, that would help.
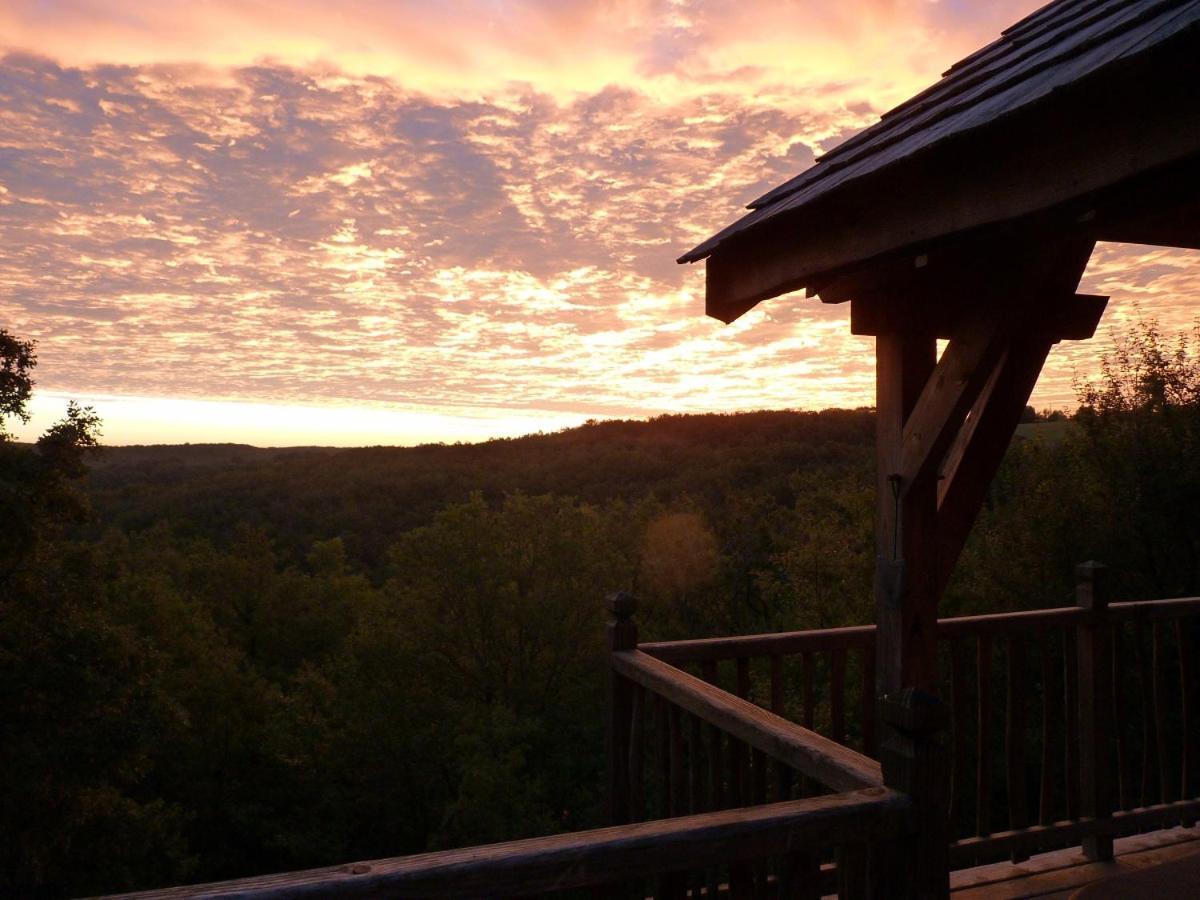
(961, 374)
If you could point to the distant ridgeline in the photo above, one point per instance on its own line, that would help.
(371, 494)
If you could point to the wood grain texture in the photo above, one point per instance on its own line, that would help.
(585, 858)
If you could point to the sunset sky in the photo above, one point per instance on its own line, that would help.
(390, 222)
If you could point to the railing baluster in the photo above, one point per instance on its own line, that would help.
(800, 876)
(695, 879)
(783, 773)
(777, 685)
(1071, 718)
(620, 635)
(1146, 681)
(673, 885)
(1046, 778)
(868, 701)
(663, 734)
(637, 761)
(1187, 750)
(810, 678)
(1119, 722)
(958, 734)
(1094, 655)
(678, 792)
(760, 797)
(852, 871)
(810, 708)
(837, 695)
(758, 776)
(739, 786)
(741, 880)
(983, 780)
(1014, 736)
(708, 671)
(1157, 666)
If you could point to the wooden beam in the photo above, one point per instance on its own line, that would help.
(905, 596)
(966, 433)
(1071, 317)
(963, 409)
(971, 466)
(967, 468)
(1165, 214)
(960, 375)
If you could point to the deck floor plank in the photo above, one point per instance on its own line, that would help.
(1061, 872)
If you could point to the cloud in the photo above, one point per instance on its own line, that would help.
(291, 232)
(284, 234)
(465, 47)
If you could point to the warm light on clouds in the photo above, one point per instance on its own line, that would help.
(447, 220)
(470, 47)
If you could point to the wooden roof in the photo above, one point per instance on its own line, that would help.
(1119, 62)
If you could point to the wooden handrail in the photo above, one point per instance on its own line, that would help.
(787, 643)
(1009, 623)
(782, 643)
(1154, 610)
(586, 858)
(829, 763)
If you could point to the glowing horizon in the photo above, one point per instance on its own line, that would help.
(445, 224)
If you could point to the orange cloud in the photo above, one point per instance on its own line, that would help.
(668, 47)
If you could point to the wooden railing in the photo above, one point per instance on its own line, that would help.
(682, 743)
(1067, 725)
(619, 860)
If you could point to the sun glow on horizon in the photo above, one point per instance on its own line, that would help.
(163, 420)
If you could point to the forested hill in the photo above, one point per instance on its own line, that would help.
(368, 495)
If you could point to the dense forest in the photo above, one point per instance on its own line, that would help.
(219, 660)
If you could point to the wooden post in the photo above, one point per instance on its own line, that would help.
(622, 635)
(914, 762)
(1093, 651)
(905, 522)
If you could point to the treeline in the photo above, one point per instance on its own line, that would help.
(247, 661)
(366, 496)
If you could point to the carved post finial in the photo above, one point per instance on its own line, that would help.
(622, 605)
(622, 631)
(1091, 585)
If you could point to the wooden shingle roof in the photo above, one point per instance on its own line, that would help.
(1033, 64)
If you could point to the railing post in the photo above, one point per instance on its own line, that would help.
(914, 762)
(622, 635)
(1094, 653)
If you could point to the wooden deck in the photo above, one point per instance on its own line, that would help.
(1062, 872)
